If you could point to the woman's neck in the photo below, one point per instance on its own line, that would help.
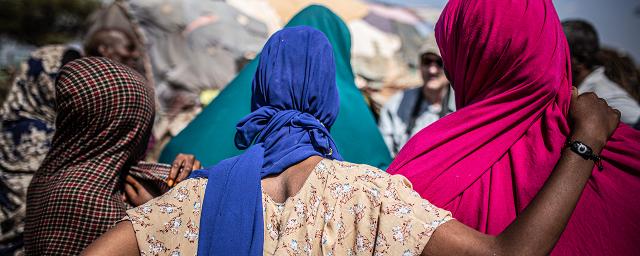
(287, 183)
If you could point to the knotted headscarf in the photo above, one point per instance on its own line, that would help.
(294, 102)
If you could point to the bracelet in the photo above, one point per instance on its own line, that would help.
(584, 151)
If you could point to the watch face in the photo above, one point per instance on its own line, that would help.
(582, 148)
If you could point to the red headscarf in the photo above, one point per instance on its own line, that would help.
(509, 64)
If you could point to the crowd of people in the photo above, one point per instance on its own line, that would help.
(522, 139)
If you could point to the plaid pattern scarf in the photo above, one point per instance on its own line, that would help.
(154, 174)
(104, 117)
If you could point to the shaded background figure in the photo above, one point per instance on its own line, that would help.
(115, 44)
(407, 112)
(355, 131)
(104, 117)
(121, 46)
(486, 161)
(622, 70)
(26, 129)
(589, 74)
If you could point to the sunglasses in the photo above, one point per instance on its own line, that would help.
(430, 59)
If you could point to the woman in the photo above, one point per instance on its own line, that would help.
(28, 114)
(290, 193)
(486, 162)
(104, 117)
(26, 127)
(216, 124)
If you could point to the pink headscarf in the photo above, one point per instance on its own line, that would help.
(510, 67)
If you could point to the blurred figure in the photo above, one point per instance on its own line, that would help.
(114, 44)
(407, 112)
(26, 129)
(621, 69)
(120, 46)
(589, 75)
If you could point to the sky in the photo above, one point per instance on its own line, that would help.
(617, 21)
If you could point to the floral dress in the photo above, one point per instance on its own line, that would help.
(342, 209)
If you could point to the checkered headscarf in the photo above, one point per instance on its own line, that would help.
(104, 117)
(104, 109)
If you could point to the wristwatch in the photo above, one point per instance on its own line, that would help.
(584, 151)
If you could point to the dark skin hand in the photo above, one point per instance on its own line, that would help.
(137, 193)
(181, 168)
(534, 232)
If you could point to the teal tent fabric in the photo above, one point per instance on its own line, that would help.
(210, 136)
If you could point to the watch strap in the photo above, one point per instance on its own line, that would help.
(584, 151)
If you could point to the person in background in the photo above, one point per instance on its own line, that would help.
(589, 74)
(114, 44)
(104, 115)
(621, 69)
(407, 112)
(26, 129)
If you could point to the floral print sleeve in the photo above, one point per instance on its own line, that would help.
(406, 221)
(169, 224)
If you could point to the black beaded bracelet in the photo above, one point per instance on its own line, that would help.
(584, 151)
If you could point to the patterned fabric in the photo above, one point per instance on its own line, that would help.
(28, 113)
(26, 128)
(152, 173)
(32, 95)
(13, 193)
(170, 224)
(104, 119)
(343, 209)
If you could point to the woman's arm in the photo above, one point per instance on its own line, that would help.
(137, 193)
(120, 240)
(538, 228)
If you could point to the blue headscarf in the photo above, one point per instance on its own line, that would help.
(294, 102)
